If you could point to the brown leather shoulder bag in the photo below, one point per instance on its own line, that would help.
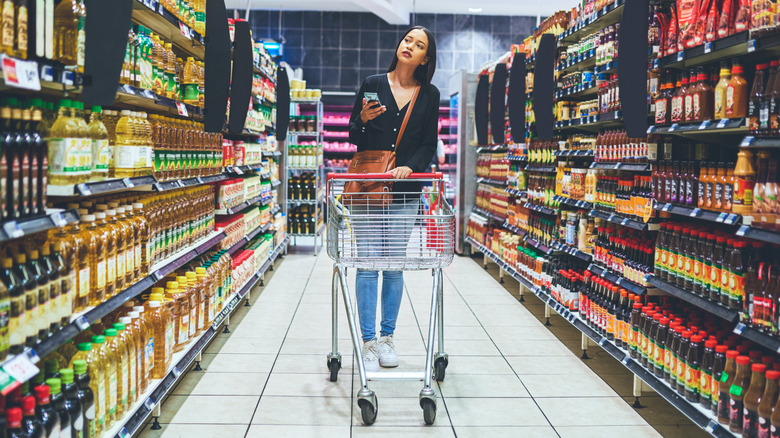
(375, 193)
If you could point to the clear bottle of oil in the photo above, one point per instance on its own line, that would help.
(109, 247)
(127, 225)
(177, 291)
(109, 361)
(191, 82)
(127, 152)
(94, 242)
(125, 335)
(64, 147)
(66, 35)
(194, 298)
(208, 303)
(162, 323)
(120, 246)
(142, 248)
(85, 147)
(98, 373)
(67, 277)
(115, 345)
(101, 154)
(170, 71)
(145, 340)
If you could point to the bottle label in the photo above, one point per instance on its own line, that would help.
(21, 29)
(735, 410)
(749, 422)
(169, 340)
(80, 43)
(149, 359)
(132, 157)
(705, 385)
(743, 191)
(764, 427)
(138, 256)
(131, 379)
(688, 108)
(728, 196)
(111, 270)
(101, 155)
(125, 383)
(763, 115)
(78, 426)
(83, 282)
(719, 95)
(692, 377)
(89, 413)
(8, 24)
(729, 100)
(677, 109)
(112, 393)
(66, 156)
(184, 329)
(101, 398)
(121, 269)
(191, 92)
(129, 262)
(100, 275)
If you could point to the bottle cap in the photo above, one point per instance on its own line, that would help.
(42, 394)
(172, 285)
(126, 320)
(110, 333)
(158, 290)
(134, 315)
(55, 385)
(66, 374)
(84, 346)
(14, 418)
(98, 339)
(711, 344)
(118, 326)
(154, 304)
(743, 360)
(773, 374)
(697, 338)
(80, 366)
(28, 405)
(51, 366)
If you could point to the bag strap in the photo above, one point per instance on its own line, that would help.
(406, 117)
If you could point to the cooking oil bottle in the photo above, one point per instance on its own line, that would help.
(87, 397)
(191, 82)
(201, 84)
(192, 292)
(118, 232)
(101, 154)
(145, 338)
(143, 247)
(109, 360)
(127, 153)
(158, 65)
(11, 281)
(109, 246)
(208, 303)
(98, 373)
(115, 345)
(43, 317)
(170, 71)
(85, 145)
(124, 334)
(162, 323)
(63, 261)
(64, 146)
(95, 243)
(81, 39)
(176, 290)
(49, 264)
(126, 225)
(66, 25)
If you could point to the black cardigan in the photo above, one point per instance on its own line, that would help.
(418, 145)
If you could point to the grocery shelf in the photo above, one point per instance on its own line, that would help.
(760, 142)
(494, 148)
(54, 79)
(578, 153)
(261, 71)
(541, 168)
(702, 417)
(272, 153)
(759, 234)
(595, 121)
(581, 91)
(135, 97)
(606, 68)
(488, 214)
(698, 213)
(573, 202)
(244, 240)
(305, 133)
(242, 206)
(263, 101)
(493, 182)
(577, 63)
(574, 252)
(616, 278)
(101, 187)
(724, 48)
(693, 298)
(54, 218)
(188, 182)
(541, 247)
(516, 157)
(320, 230)
(719, 126)
(609, 14)
(240, 170)
(153, 15)
(541, 209)
(629, 167)
(515, 192)
(621, 220)
(136, 416)
(761, 338)
(514, 229)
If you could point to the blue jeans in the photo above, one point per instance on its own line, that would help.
(366, 281)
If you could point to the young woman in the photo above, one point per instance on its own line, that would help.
(375, 126)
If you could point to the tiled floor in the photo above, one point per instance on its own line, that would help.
(508, 375)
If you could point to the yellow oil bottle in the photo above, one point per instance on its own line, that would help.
(127, 226)
(95, 242)
(98, 135)
(208, 297)
(109, 247)
(141, 336)
(191, 82)
(96, 368)
(125, 332)
(142, 248)
(109, 361)
(85, 144)
(162, 322)
(66, 25)
(170, 72)
(64, 147)
(192, 292)
(118, 231)
(116, 346)
(176, 290)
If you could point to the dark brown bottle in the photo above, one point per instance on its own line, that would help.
(718, 363)
(757, 97)
(726, 380)
(736, 393)
(751, 400)
(767, 404)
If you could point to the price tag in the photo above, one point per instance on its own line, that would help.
(176, 372)
(673, 127)
(704, 124)
(82, 323)
(746, 141)
(707, 47)
(185, 31)
(711, 426)
(128, 183)
(602, 342)
(739, 328)
(619, 281)
(238, 170)
(611, 217)
(124, 433)
(83, 189)
(67, 78)
(617, 115)
(624, 221)
(128, 90)
(12, 230)
(751, 46)
(626, 358)
(47, 73)
(730, 219)
(148, 94)
(695, 212)
(200, 180)
(721, 217)
(666, 207)
(21, 368)
(149, 403)
(21, 74)
(651, 129)
(182, 109)
(742, 230)
(722, 123)
(680, 56)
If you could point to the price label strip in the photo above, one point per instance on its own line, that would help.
(20, 74)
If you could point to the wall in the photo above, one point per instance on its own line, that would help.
(338, 49)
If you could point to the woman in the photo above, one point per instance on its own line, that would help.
(375, 127)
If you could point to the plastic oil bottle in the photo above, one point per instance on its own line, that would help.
(64, 146)
(126, 151)
(177, 291)
(208, 303)
(170, 71)
(109, 362)
(191, 82)
(16, 291)
(119, 394)
(7, 283)
(63, 261)
(162, 323)
(66, 24)
(158, 65)
(110, 239)
(95, 241)
(124, 330)
(86, 395)
(133, 221)
(118, 230)
(141, 335)
(192, 293)
(96, 367)
(127, 227)
(101, 154)
(85, 144)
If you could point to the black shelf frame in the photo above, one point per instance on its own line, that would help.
(699, 213)
(695, 299)
(17, 228)
(759, 234)
(628, 167)
(616, 278)
(580, 91)
(488, 214)
(540, 168)
(582, 153)
(573, 202)
(609, 14)
(595, 121)
(517, 158)
(541, 209)
(621, 220)
(719, 126)
(574, 252)
(515, 192)
(493, 182)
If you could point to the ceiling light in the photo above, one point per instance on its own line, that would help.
(475, 10)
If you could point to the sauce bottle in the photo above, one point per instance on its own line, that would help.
(768, 402)
(58, 403)
(720, 91)
(720, 183)
(737, 393)
(745, 176)
(29, 325)
(757, 97)
(32, 428)
(46, 414)
(736, 92)
(689, 88)
(682, 354)
(86, 396)
(726, 380)
(678, 100)
(703, 99)
(751, 400)
(705, 381)
(693, 369)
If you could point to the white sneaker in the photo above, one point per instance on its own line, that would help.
(370, 356)
(387, 356)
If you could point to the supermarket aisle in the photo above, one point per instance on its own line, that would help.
(508, 374)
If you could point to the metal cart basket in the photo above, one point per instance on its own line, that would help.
(400, 231)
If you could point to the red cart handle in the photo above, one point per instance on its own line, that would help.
(435, 175)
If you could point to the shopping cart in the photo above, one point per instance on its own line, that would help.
(367, 234)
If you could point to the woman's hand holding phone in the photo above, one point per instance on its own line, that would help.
(371, 110)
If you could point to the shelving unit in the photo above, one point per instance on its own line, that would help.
(54, 218)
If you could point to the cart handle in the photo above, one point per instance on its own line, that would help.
(435, 175)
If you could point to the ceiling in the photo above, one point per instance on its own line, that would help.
(397, 11)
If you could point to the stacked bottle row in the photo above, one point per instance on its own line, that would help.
(493, 166)
(302, 220)
(709, 185)
(541, 189)
(303, 187)
(492, 199)
(541, 151)
(631, 197)
(150, 63)
(516, 176)
(603, 42)
(509, 247)
(616, 146)
(766, 210)
(624, 252)
(189, 12)
(182, 148)
(701, 95)
(305, 154)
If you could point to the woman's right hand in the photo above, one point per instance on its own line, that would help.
(370, 112)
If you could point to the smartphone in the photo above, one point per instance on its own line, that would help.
(372, 97)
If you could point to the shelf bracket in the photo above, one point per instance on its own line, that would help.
(501, 275)
(547, 314)
(521, 290)
(639, 386)
(585, 343)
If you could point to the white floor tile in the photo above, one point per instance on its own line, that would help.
(312, 411)
(295, 431)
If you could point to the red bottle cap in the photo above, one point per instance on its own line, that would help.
(14, 418)
(711, 344)
(697, 338)
(28, 405)
(758, 368)
(665, 321)
(637, 306)
(732, 354)
(743, 360)
(773, 374)
(686, 334)
(42, 394)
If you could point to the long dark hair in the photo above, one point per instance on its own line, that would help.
(423, 73)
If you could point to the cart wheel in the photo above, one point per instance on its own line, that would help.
(368, 411)
(429, 410)
(334, 365)
(439, 369)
